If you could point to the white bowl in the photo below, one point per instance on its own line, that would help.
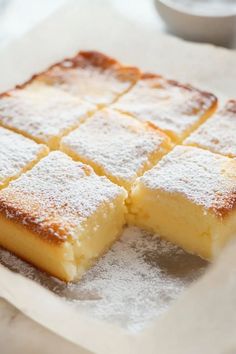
(217, 29)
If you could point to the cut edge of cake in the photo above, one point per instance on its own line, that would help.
(63, 247)
(201, 227)
(38, 131)
(64, 260)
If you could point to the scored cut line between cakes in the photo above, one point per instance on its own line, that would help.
(116, 145)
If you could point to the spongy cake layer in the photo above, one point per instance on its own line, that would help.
(56, 197)
(205, 178)
(188, 198)
(61, 216)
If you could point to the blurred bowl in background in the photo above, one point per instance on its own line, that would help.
(212, 27)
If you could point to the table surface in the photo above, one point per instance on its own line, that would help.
(16, 18)
(19, 16)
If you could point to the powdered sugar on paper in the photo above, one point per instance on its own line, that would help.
(134, 283)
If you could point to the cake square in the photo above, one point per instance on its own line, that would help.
(17, 155)
(42, 113)
(60, 216)
(188, 198)
(116, 145)
(218, 133)
(92, 76)
(175, 108)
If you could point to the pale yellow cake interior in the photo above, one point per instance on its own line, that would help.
(61, 216)
(67, 260)
(181, 222)
(99, 234)
(187, 198)
(56, 259)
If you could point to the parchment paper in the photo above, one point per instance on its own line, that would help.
(127, 302)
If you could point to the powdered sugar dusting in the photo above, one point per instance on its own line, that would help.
(206, 178)
(170, 106)
(91, 76)
(16, 153)
(42, 112)
(118, 144)
(93, 85)
(135, 282)
(57, 196)
(218, 134)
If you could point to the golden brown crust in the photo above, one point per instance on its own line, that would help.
(204, 94)
(10, 210)
(228, 208)
(204, 178)
(56, 197)
(103, 62)
(87, 59)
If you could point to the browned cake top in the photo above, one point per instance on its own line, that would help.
(218, 133)
(92, 76)
(201, 176)
(171, 106)
(57, 197)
